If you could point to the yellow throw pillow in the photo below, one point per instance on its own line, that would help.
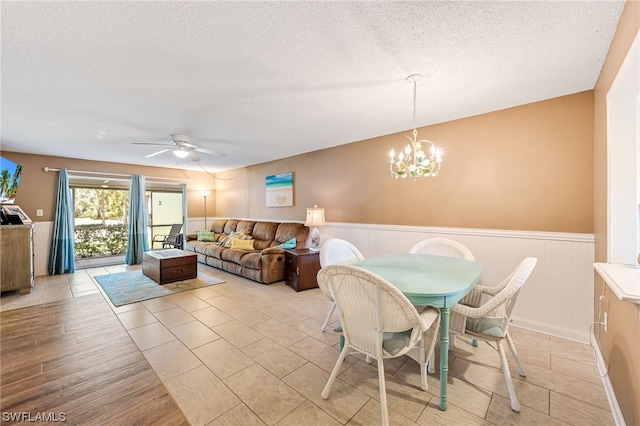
(241, 244)
(235, 236)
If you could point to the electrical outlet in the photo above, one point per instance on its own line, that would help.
(605, 322)
(39, 212)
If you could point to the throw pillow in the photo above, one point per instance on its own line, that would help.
(205, 236)
(287, 245)
(235, 236)
(239, 244)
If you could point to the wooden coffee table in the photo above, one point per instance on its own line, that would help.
(167, 266)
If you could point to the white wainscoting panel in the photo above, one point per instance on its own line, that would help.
(558, 297)
(41, 244)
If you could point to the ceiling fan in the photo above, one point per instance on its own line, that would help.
(181, 147)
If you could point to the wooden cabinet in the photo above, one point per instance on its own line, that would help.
(17, 258)
(302, 266)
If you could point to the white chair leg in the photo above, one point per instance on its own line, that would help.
(432, 363)
(326, 321)
(452, 342)
(334, 373)
(383, 393)
(515, 405)
(512, 348)
(423, 369)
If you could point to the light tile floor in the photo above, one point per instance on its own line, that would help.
(242, 353)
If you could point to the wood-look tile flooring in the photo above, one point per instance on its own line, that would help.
(242, 353)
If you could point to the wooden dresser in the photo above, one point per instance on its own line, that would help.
(17, 273)
(302, 266)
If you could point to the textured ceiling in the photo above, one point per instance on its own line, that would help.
(266, 80)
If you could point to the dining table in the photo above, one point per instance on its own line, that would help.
(428, 280)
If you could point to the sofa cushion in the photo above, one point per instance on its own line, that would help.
(210, 249)
(218, 226)
(233, 256)
(288, 231)
(265, 231)
(246, 226)
(230, 226)
(251, 260)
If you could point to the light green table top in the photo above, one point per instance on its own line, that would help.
(425, 279)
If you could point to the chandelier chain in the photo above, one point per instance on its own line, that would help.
(415, 131)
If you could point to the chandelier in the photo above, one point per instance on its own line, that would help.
(413, 161)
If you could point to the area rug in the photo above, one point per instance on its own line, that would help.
(133, 286)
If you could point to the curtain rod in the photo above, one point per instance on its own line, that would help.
(50, 169)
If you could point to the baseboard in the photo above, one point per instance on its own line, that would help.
(608, 388)
(551, 329)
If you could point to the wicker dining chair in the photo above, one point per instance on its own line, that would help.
(442, 247)
(336, 251)
(448, 248)
(378, 321)
(487, 314)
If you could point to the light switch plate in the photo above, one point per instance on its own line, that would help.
(39, 212)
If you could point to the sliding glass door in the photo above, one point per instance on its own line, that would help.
(166, 208)
(101, 209)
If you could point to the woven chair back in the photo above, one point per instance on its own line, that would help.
(367, 305)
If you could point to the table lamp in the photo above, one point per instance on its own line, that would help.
(315, 217)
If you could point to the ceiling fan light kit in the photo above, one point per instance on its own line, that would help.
(181, 146)
(181, 153)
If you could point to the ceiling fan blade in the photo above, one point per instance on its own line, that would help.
(208, 151)
(157, 153)
(152, 143)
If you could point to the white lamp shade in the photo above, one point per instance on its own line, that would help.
(315, 217)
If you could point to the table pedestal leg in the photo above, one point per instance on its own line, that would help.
(444, 356)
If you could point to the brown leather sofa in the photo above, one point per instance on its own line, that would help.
(265, 263)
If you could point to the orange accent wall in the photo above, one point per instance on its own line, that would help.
(523, 168)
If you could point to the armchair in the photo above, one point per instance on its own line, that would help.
(448, 248)
(378, 321)
(487, 315)
(174, 239)
(332, 252)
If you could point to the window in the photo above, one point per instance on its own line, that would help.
(623, 140)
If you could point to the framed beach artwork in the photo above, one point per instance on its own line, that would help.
(279, 189)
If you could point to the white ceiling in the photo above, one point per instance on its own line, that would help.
(266, 80)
